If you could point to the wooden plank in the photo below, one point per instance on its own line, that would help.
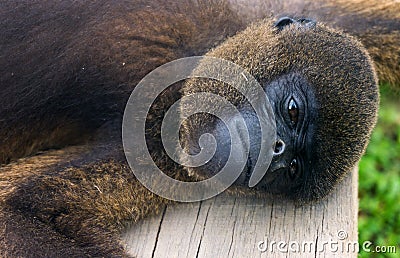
(227, 226)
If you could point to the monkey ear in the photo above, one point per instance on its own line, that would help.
(283, 21)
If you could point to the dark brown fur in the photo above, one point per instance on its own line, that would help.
(67, 69)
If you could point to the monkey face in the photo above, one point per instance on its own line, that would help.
(323, 90)
(295, 111)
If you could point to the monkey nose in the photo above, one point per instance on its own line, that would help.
(279, 147)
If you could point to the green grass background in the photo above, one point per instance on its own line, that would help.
(379, 179)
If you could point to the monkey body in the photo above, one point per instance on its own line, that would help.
(68, 69)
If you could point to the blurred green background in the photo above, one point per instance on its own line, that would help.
(379, 179)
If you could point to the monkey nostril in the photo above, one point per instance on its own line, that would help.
(279, 147)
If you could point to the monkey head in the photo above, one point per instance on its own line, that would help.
(323, 90)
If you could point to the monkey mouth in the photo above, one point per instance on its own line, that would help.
(247, 173)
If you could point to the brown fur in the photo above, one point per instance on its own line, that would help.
(348, 75)
(376, 24)
(67, 68)
(79, 61)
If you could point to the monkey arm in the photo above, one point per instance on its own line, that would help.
(35, 210)
(71, 202)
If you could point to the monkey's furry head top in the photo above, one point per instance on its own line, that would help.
(338, 84)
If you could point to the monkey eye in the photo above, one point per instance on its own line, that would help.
(293, 168)
(293, 111)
